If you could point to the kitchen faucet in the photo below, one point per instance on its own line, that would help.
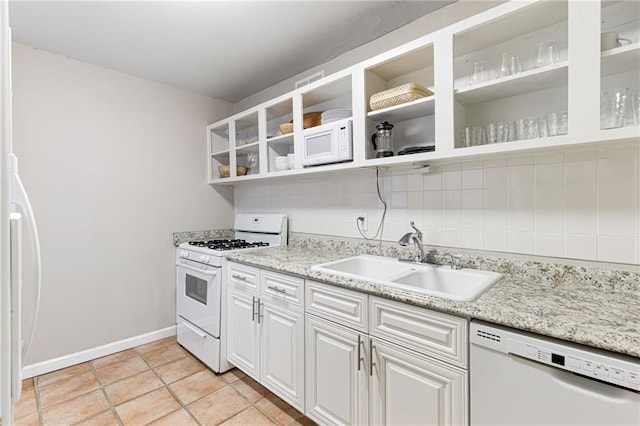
(416, 238)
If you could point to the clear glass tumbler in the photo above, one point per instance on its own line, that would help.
(612, 108)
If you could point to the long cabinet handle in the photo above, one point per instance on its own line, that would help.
(371, 357)
(359, 354)
(253, 308)
(239, 277)
(260, 315)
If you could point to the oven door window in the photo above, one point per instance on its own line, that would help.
(196, 288)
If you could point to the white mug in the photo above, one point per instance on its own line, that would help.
(610, 40)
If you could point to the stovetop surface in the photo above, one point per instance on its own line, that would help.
(226, 245)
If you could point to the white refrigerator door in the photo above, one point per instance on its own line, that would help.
(6, 410)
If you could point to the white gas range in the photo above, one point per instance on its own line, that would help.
(201, 284)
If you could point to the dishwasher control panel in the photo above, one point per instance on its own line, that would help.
(605, 366)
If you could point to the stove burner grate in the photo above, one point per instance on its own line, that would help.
(227, 244)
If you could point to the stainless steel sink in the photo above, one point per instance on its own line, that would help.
(442, 281)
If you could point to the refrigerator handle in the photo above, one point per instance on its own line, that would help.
(15, 220)
(20, 198)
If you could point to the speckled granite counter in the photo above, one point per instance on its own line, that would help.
(181, 237)
(591, 306)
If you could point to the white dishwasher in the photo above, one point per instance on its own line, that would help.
(518, 378)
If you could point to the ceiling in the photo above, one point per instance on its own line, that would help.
(224, 49)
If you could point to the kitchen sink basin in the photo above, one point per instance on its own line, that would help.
(365, 267)
(442, 281)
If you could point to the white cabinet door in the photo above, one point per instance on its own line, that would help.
(409, 389)
(336, 373)
(243, 345)
(282, 353)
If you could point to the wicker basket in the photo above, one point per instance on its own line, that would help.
(398, 95)
(225, 171)
(312, 119)
(286, 128)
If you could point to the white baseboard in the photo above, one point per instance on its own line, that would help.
(48, 366)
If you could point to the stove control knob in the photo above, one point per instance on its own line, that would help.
(184, 253)
(204, 258)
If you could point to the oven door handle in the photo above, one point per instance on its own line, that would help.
(201, 271)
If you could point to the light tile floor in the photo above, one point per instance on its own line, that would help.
(158, 383)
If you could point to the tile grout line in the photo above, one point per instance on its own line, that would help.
(112, 408)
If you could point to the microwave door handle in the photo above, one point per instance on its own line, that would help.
(200, 271)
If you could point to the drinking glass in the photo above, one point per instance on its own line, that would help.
(504, 69)
(630, 109)
(531, 129)
(520, 129)
(474, 136)
(542, 127)
(505, 131)
(612, 108)
(492, 133)
(509, 65)
(478, 73)
(546, 53)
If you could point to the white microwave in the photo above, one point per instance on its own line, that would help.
(327, 143)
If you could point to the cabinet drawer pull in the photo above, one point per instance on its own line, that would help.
(253, 308)
(359, 354)
(239, 277)
(277, 289)
(260, 314)
(371, 357)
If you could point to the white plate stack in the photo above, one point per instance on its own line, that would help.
(335, 114)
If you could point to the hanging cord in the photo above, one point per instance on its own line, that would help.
(384, 213)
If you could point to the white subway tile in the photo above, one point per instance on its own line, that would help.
(581, 213)
(472, 238)
(554, 157)
(432, 199)
(580, 247)
(451, 218)
(548, 174)
(520, 242)
(415, 182)
(618, 196)
(471, 198)
(550, 221)
(433, 218)
(473, 164)
(451, 199)
(521, 160)
(549, 244)
(570, 157)
(452, 180)
(398, 200)
(415, 200)
(495, 162)
(472, 179)
(495, 199)
(616, 249)
(496, 178)
(580, 173)
(616, 222)
(495, 220)
(471, 219)
(432, 181)
(432, 236)
(495, 240)
(451, 237)
(521, 220)
(399, 183)
(549, 197)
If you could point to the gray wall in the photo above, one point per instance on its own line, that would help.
(113, 164)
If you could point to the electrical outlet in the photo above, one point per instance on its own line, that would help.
(363, 221)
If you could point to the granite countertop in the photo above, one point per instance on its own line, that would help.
(595, 307)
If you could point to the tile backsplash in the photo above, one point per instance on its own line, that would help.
(582, 204)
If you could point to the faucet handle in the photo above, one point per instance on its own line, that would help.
(455, 262)
(418, 232)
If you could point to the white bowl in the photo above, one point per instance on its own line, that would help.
(291, 163)
(280, 167)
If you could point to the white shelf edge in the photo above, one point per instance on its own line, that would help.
(280, 138)
(396, 108)
(220, 153)
(248, 146)
(620, 50)
(522, 75)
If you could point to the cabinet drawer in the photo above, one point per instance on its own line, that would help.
(282, 289)
(440, 335)
(243, 277)
(343, 306)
